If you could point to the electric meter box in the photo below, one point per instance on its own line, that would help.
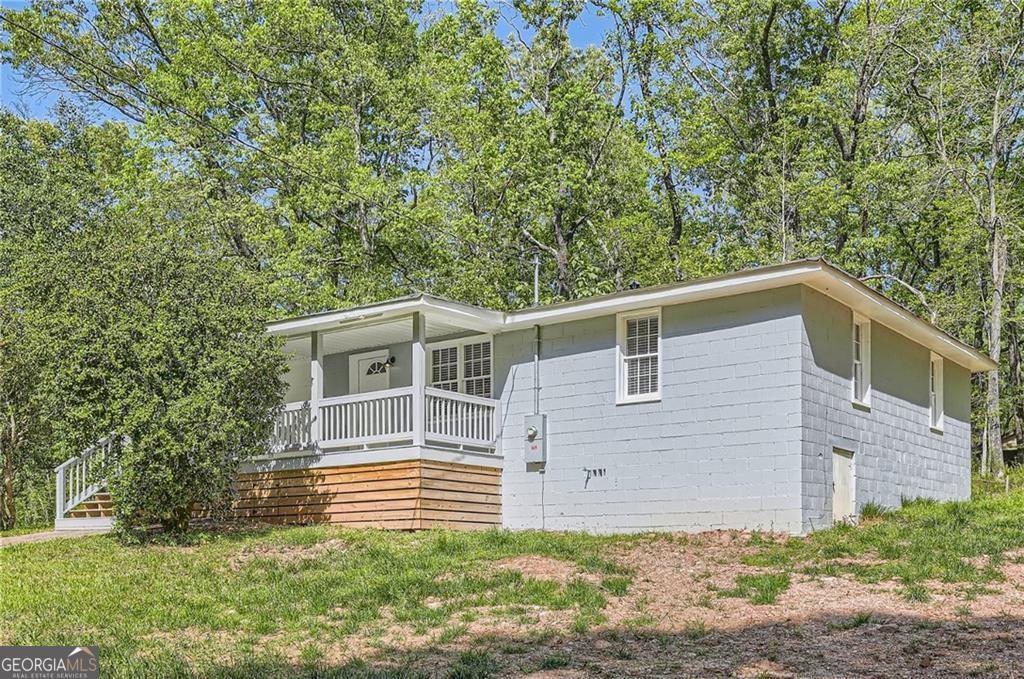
(535, 434)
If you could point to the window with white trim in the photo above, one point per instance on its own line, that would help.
(476, 361)
(444, 368)
(463, 366)
(861, 360)
(639, 345)
(935, 404)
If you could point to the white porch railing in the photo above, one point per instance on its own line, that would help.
(457, 418)
(76, 478)
(292, 428)
(382, 417)
(376, 417)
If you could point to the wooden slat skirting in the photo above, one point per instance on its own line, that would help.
(406, 495)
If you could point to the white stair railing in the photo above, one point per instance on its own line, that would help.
(76, 477)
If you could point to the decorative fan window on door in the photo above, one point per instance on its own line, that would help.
(377, 368)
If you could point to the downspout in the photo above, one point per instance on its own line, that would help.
(536, 411)
(536, 371)
(536, 333)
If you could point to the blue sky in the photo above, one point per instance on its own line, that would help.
(588, 30)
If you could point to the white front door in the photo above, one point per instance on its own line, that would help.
(843, 492)
(368, 372)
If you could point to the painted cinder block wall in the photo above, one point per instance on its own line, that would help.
(721, 449)
(896, 453)
(756, 393)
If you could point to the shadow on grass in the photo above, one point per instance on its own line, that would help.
(862, 644)
(200, 532)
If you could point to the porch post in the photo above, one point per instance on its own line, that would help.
(316, 386)
(60, 493)
(419, 376)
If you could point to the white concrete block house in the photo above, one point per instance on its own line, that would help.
(782, 398)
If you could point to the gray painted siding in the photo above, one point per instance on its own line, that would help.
(336, 366)
(336, 369)
(720, 450)
(896, 454)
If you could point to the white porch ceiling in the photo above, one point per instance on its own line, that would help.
(370, 336)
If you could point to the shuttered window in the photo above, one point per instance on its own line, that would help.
(462, 366)
(639, 356)
(477, 369)
(444, 368)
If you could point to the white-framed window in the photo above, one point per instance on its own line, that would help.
(444, 368)
(476, 369)
(638, 356)
(462, 365)
(936, 412)
(861, 360)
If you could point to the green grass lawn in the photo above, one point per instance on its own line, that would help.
(235, 599)
(952, 542)
(288, 601)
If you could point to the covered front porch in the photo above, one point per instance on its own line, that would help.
(395, 378)
(389, 420)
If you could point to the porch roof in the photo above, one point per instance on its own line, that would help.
(443, 316)
(814, 273)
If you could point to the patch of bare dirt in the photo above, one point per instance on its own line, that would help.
(542, 568)
(285, 554)
(763, 669)
(673, 623)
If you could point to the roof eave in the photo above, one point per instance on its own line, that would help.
(863, 299)
(465, 315)
(815, 273)
(730, 284)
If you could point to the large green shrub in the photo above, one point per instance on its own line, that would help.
(122, 315)
(172, 354)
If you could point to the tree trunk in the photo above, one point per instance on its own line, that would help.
(179, 521)
(661, 148)
(563, 240)
(563, 274)
(1016, 379)
(8, 509)
(995, 326)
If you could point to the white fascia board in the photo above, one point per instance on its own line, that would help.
(862, 299)
(331, 320)
(468, 316)
(465, 315)
(733, 284)
(816, 274)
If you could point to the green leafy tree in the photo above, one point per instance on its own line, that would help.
(162, 342)
(966, 100)
(123, 318)
(51, 188)
(348, 152)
